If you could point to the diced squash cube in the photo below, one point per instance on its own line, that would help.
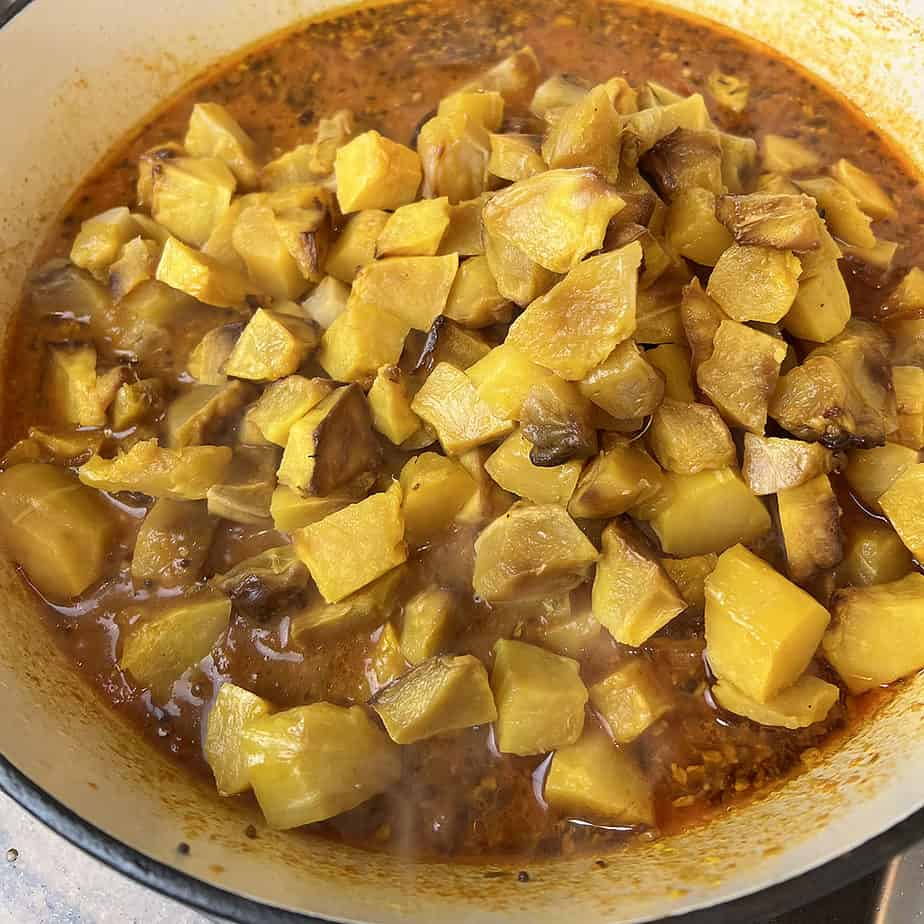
(903, 504)
(772, 464)
(386, 663)
(415, 289)
(877, 633)
(201, 276)
(271, 266)
(448, 342)
(614, 482)
(169, 637)
(327, 302)
(272, 346)
(504, 378)
(484, 107)
(414, 230)
(331, 445)
(284, 403)
(596, 780)
(440, 695)
(555, 218)
(700, 317)
(689, 577)
(807, 701)
(351, 548)
(101, 239)
(785, 222)
(59, 531)
(575, 326)
(450, 403)
(821, 308)
(657, 310)
(311, 162)
(375, 173)
(190, 196)
(182, 474)
(692, 229)
(73, 392)
(234, 709)
(136, 402)
(529, 553)
(557, 93)
(515, 157)
(314, 762)
(842, 211)
(761, 630)
(630, 700)
(463, 236)
(291, 510)
(873, 554)
(908, 382)
(511, 468)
(870, 196)
(540, 699)
(625, 384)
(390, 405)
(474, 300)
(650, 125)
(684, 159)
(708, 512)
(354, 248)
(690, 438)
(214, 132)
(560, 423)
(810, 525)
(742, 391)
(871, 472)
(673, 362)
(751, 283)
(586, 134)
(518, 278)
(206, 362)
(434, 489)
(567, 628)
(786, 155)
(202, 412)
(489, 500)
(454, 151)
(137, 263)
(427, 623)
(632, 596)
(361, 340)
(173, 543)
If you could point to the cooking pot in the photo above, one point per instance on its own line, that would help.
(73, 78)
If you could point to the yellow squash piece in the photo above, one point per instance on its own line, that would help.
(427, 623)
(772, 464)
(870, 196)
(689, 577)
(327, 301)
(74, 392)
(786, 155)
(201, 276)
(450, 403)
(206, 362)
(214, 132)
(807, 701)
(434, 489)
(673, 361)
(692, 229)
(59, 531)
(761, 630)
(903, 504)
(355, 246)
(286, 401)
(505, 377)
(463, 236)
(821, 308)
(873, 554)
(310, 163)
(234, 709)
(272, 346)
(575, 326)
(390, 405)
(291, 511)
(483, 106)
(515, 157)
(190, 196)
(529, 553)
(454, 151)
(101, 239)
(908, 383)
(438, 696)
(360, 341)
(596, 780)
(707, 512)
(385, 664)
(540, 699)
(752, 283)
(351, 548)
(632, 596)
(630, 700)
(314, 762)
(809, 516)
(511, 468)
(173, 543)
(614, 482)
(625, 384)
(689, 438)
(246, 491)
(203, 411)
(474, 300)
(414, 230)
(258, 242)
(518, 278)
(555, 218)
(586, 134)
(374, 172)
(842, 210)
(169, 637)
(871, 472)
(700, 317)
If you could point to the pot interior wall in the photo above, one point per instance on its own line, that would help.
(73, 78)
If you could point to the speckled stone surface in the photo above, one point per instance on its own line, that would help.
(51, 882)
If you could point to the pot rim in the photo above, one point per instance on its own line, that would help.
(209, 899)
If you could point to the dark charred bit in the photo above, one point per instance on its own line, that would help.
(255, 600)
(250, 832)
(522, 876)
(681, 159)
(183, 849)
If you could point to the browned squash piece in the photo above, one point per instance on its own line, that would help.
(354, 248)
(625, 384)
(903, 504)
(474, 300)
(742, 390)
(692, 229)
(772, 464)
(689, 577)
(449, 342)
(630, 700)
(173, 543)
(810, 524)
(559, 423)
(684, 159)
(514, 77)
(689, 438)
(754, 283)
(586, 134)
(873, 554)
(780, 221)
(701, 318)
(614, 482)
(245, 493)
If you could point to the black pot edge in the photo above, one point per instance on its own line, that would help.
(209, 899)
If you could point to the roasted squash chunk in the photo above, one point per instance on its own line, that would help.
(689, 576)
(873, 554)
(454, 151)
(539, 216)
(57, 529)
(586, 134)
(559, 422)
(504, 379)
(810, 525)
(245, 493)
(908, 383)
(700, 317)
(842, 211)
(575, 326)
(786, 155)
(450, 403)
(614, 482)
(291, 510)
(448, 342)
(625, 384)
(903, 504)
(632, 596)
(427, 623)
(173, 543)
(169, 637)
(807, 701)
(529, 553)
(273, 345)
(596, 780)
(234, 709)
(517, 277)
(214, 132)
(684, 159)
(414, 230)
(374, 172)
(821, 308)
(101, 239)
(313, 762)
(355, 246)
(435, 489)
(440, 695)
(540, 699)
(692, 229)
(331, 445)
(673, 361)
(351, 548)
(513, 77)
(390, 405)
(190, 196)
(630, 700)
(511, 468)
(771, 220)
(257, 240)
(772, 464)
(742, 391)
(486, 107)
(755, 283)
(202, 412)
(515, 157)
(74, 392)
(309, 163)
(761, 630)
(361, 340)
(201, 276)
(286, 401)
(876, 636)
(689, 438)
(474, 300)
(206, 362)
(871, 472)
(327, 302)
(870, 196)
